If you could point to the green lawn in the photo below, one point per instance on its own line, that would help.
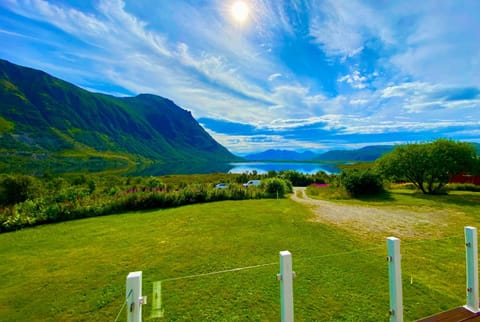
(76, 271)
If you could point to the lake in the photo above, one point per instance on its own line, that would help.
(264, 167)
(160, 169)
(236, 167)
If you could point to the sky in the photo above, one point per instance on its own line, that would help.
(270, 74)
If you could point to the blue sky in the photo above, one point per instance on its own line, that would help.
(298, 75)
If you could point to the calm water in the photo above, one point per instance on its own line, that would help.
(189, 168)
(264, 167)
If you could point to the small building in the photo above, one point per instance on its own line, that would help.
(465, 178)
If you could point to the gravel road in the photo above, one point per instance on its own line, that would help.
(382, 221)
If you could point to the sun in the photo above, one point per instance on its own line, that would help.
(240, 11)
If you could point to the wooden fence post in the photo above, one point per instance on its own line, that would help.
(395, 279)
(471, 249)
(286, 286)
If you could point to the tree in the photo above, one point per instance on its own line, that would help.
(277, 186)
(429, 166)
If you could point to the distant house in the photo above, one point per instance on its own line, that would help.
(465, 178)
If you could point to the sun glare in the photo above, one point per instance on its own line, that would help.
(240, 11)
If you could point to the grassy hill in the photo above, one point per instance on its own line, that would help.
(43, 117)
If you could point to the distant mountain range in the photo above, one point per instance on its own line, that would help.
(365, 154)
(43, 117)
(368, 153)
(281, 155)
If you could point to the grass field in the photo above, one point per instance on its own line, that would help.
(75, 271)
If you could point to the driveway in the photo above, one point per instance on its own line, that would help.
(382, 221)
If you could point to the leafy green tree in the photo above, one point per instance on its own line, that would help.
(429, 166)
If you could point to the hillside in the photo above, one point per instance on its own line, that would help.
(45, 118)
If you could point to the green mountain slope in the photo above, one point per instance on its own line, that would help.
(44, 117)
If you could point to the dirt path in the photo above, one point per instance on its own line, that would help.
(380, 221)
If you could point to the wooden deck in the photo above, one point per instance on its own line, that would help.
(456, 315)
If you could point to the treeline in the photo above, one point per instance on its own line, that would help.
(28, 201)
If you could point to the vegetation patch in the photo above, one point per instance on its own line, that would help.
(362, 183)
(5, 126)
(429, 166)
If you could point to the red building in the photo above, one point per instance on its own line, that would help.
(465, 178)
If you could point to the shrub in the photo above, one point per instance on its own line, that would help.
(296, 178)
(463, 187)
(32, 201)
(277, 186)
(15, 189)
(362, 183)
(299, 179)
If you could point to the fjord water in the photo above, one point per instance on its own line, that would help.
(264, 167)
(192, 167)
(236, 167)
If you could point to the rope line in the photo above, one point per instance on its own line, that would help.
(403, 246)
(217, 272)
(123, 305)
(340, 253)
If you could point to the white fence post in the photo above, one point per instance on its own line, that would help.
(395, 279)
(135, 300)
(286, 286)
(471, 249)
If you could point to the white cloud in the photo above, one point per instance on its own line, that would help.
(341, 28)
(315, 100)
(443, 44)
(416, 97)
(354, 79)
(218, 70)
(242, 144)
(405, 89)
(358, 101)
(274, 76)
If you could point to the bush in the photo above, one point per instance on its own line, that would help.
(362, 183)
(15, 189)
(277, 186)
(299, 179)
(296, 178)
(463, 187)
(31, 201)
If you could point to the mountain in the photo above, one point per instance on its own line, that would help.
(43, 117)
(281, 155)
(368, 153)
